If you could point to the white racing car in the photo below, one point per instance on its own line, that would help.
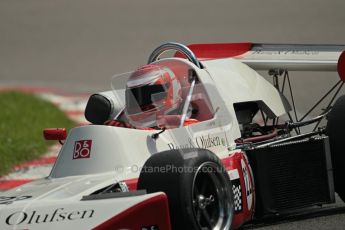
(199, 140)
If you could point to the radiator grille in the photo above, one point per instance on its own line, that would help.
(292, 175)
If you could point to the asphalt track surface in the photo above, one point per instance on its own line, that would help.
(77, 45)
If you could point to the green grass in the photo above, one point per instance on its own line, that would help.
(22, 120)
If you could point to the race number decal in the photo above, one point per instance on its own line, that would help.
(82, 149)
(248, 185)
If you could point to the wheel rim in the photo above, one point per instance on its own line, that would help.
(212, 198)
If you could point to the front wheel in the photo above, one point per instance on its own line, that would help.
(197, 185)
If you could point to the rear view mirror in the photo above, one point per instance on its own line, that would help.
(57, 134)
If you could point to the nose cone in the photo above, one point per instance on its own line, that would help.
(96, 149)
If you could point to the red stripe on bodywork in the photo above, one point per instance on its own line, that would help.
(151, 212)
(218, 50)
(8, 184)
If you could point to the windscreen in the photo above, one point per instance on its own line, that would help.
(154, 96)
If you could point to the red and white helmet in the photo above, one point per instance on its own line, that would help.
(152, 91)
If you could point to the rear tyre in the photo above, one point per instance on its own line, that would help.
(335, 131)
(198, 188)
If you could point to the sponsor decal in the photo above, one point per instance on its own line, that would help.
(204, 142)
(58, 215)
(287, 52)
(11, 199)
(82, 149)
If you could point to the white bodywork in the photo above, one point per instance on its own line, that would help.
(56, 204)
(118, 154)
(237, 82)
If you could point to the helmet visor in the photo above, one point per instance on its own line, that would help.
(144, 98)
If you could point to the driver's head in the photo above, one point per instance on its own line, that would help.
(151, 91)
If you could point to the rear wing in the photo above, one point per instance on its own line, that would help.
(276, 56)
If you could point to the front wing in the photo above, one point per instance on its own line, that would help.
(149, 211)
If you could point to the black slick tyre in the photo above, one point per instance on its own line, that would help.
(198, 188)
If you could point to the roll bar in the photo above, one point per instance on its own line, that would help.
(174, 46)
